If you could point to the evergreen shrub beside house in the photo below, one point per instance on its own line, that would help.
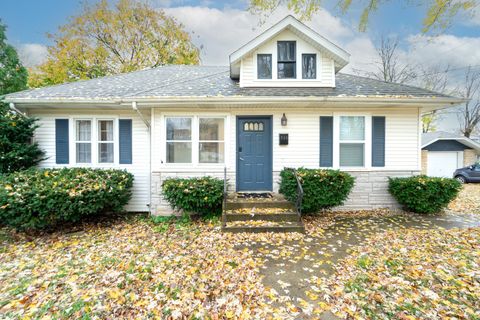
(423, 194)
(322, 189)
(42, 198)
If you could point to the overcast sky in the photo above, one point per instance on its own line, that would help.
(220, 27)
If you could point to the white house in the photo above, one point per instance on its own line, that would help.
(282, 102)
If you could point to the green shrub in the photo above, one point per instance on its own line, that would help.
(194, 195)
(17, 152)
(322, 188)
(424, 194)
(36, 199)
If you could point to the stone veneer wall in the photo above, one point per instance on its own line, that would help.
(469, 157)
(370, 190)
(424, 161)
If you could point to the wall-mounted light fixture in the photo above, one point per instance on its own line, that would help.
(284, 120)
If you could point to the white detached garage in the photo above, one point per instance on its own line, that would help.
(443, 153)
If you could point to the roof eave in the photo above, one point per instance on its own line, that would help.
(422, 101)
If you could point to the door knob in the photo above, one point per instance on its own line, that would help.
(241, 159)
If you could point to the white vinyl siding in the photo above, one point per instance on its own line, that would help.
(401, 151)
(45, 136)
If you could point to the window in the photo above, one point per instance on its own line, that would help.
(211, 146)
(264, 66)
(253, 126)
(179, 140)
(286, 59)
(83, 141)
(309, 66)
(105, 141)
(352, 141)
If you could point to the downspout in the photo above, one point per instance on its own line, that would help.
(147, 124)
(12, 107)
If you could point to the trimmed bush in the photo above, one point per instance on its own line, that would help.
(424, 194)
(194, 195)
(322, 189)
(36, 199)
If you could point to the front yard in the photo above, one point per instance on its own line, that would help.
(365, 265)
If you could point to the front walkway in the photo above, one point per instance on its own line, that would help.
(293, 267)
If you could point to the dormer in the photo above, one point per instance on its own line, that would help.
(289, 54)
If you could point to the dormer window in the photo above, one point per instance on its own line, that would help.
(264, 66)
(309, 66)
(287, 63)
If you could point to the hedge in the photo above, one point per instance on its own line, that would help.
(424, 194)
(40, 198)
(322, 189)
(201, 196)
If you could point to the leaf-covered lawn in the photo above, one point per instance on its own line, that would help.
(129, 269)
(468, 200)
(411, 274)
(132, 268)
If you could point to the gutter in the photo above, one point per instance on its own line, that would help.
(250, 100)
(147, 124)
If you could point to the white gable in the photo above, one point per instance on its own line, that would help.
(308, 41)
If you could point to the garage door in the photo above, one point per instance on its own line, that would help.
(443, 164)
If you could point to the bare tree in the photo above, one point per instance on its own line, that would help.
(469, 116)
(388, 65)
(434, 78)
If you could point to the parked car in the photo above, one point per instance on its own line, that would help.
(468, 174)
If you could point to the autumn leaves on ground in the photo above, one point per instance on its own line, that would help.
(380, 265)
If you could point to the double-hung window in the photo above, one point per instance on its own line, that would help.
(179, 140)
(105, 141)
(352, 141)
(94, 141)
(83, 141)
(195, 140)
(287, 63)
(211, 140)
(264, 66)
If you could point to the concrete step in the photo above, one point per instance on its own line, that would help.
(256, 226)
(239, 204)
(281, 216)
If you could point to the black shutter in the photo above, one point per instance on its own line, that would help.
(378, 141)
(61, 141)
(326, 141)
(125, 140)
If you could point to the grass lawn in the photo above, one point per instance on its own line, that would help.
(128, 268)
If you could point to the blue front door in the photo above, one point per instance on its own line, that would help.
(254, 153)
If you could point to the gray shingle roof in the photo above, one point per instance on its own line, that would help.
(432, 136)
(202, 81)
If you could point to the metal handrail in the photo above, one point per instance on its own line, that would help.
(224, 202)
(298, 203)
